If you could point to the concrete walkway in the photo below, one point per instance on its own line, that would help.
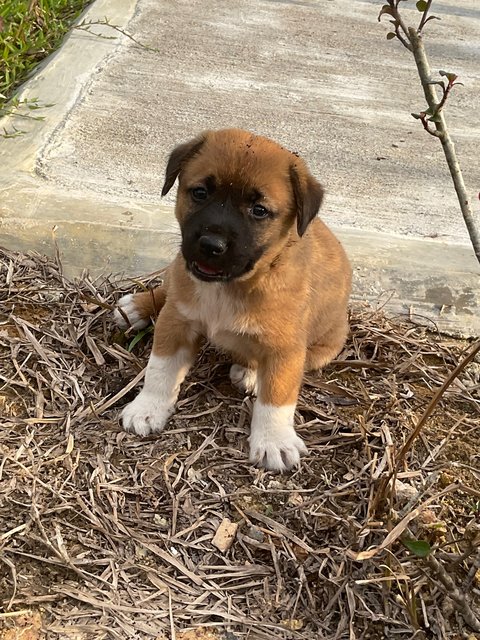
(317, 75)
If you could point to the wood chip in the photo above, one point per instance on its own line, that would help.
(225, 535)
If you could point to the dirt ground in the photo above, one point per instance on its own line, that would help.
(106, 535)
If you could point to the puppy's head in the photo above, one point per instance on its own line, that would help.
(240, 199)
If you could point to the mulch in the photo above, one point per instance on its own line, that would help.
(106, 535)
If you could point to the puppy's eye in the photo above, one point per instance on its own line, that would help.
(258, 211)
(199, 194)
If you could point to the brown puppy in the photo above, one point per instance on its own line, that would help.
(258, 274)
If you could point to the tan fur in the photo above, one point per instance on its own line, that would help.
(286, 315)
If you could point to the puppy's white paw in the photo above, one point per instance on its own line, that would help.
(129, 308)
(146, 414)
(274, 445)
(276, 451)
(244, 379)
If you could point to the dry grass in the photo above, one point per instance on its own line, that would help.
(105, 535)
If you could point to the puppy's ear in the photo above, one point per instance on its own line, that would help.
(308, 195)
(179, 156)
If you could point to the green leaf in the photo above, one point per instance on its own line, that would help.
(385, 9)
(417, 116)
(420, 548)
(390, 36)
(136, 339)
(422, 5)
(450, 76)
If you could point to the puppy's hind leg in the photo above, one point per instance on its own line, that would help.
(244, 378)
(327, 348)
(140, 309)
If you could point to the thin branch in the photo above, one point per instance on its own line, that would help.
(424, 16)
(426, 125)
(423, 68)
(406, 42)
(416, 431)
(412, 40)
(453, 592)
(446, 91)
(434, 401)
(391, 9)
(440, 575)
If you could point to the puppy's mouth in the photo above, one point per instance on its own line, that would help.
(207, 273)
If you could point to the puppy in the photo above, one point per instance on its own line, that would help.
(258, 275)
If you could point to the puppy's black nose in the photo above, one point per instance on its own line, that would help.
(212, 244)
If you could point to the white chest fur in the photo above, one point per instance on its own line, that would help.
(217, 311)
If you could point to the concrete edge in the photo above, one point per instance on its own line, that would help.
(432, 282)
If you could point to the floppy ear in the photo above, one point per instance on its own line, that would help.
(179, 156)
(308, 194)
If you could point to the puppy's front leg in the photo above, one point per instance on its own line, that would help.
(273, 442)
(174, 348)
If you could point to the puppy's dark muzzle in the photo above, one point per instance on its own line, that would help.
(212, 245)
(217, 242)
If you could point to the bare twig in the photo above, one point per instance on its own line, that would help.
(436, 107)
(426, 125)
(420, 424)
(453, 592)
(412, 39)
(424, 19)
(433, 403)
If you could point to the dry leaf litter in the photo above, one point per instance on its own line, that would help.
(106, 535)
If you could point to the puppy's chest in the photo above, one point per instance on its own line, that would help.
(218, 313)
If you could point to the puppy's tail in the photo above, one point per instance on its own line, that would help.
(149, 303)
(137, 310)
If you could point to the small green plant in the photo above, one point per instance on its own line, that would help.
(20, 109)
(420, 548)
(139, 336)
